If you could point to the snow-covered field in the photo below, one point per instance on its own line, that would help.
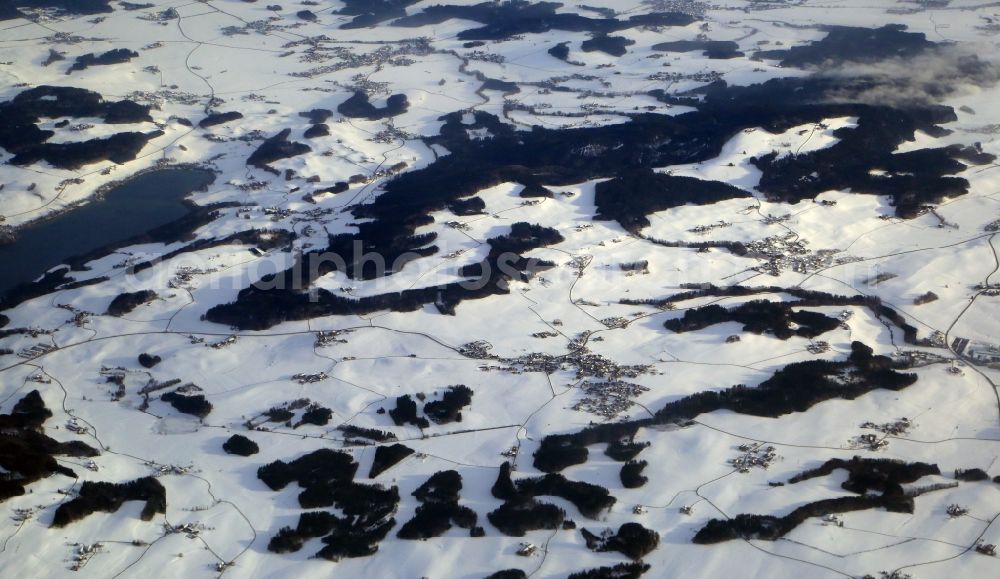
(200, 57)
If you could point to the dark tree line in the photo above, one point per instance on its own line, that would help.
(806, 298)
(26, 454)
(611, 45)
(405, 412)
(240, 445)
(516, 517)
(352, 431)
(126, 302)
(631, 474)
(632, 540)
(119, 148)
(620, 571)
(449, 407)
(214, 119)
(757, 316)
(277, 298)
(109, 497)
(871, 474)
(113, 56)
(508, 574)
(877, 483)
(317, 130)
(971, 475)
(714, 49)
(502, 20)
(276, 148)
(358, 107)
(848, 44)
(794, 388)
(624, 450)
(387, 457)
(193, 404)
(316, 415)
(21, 135)
(149, 360)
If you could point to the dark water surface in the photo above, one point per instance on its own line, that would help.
(135, 207)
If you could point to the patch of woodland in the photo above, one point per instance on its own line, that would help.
(439, 509)
(388, 456)
(214, 119)
(356, 432)
(55, 279)
(118, 148)
(632, 540)
(327, 479)
(448, 408)
(306, 411)
(126, 302)
(611, 45)
(850, 44)
(770, 528)
(27, 455)
(359, 107)
(315, 415)
(624, 450)
(405, 412)
(505, 86)
(113, 56)
(273, 300)
(758, 317)
(193, 404)
(109, 497)
(714, 49)
(560, 51)
(21, 135)
(317, 130)
(508, 574)
(871, 474)
(877, 483)
(631, 474)
(338, 187)
(148, 361)
(632, 195)
(470, 206)
(317, 116)
(240, 445)
(516, 517)
(274, 149)
(590, 499)
(632, 570)
(806, 298)
(971, 474)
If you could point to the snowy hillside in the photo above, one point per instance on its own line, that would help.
(602, 289)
